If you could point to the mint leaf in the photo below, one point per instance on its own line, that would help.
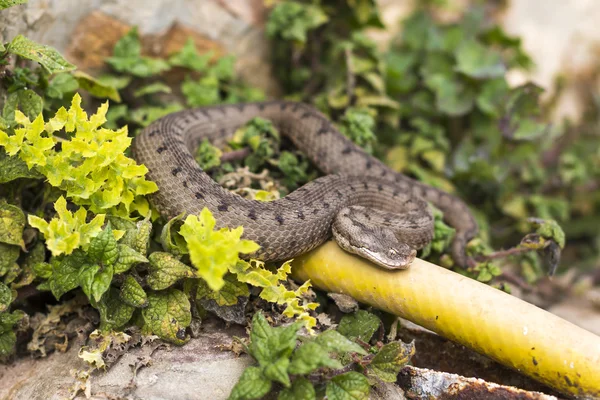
(334, 341)
(171, 241)
(291, 20)
(168, 314)
(114, 313)
(46, 56)
(85, 278)
(227, 295)
(102, 281)
(12, 168)
(268, 344)
(132, 293)
(8, 257)
(390, 359)
(25, 100)
(103, 248)
(165, 269)
(127, 57)
(301, 389)
(127, 259)
(5, 297)
(360, 325)
(310, 356)
(61, 85)
(252, 385)
(65, 273)
(348, 386)
(12, 223)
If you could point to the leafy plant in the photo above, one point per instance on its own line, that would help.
(330, 362)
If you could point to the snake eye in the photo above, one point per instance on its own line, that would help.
(392, 252)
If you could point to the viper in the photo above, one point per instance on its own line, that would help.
(369, 209)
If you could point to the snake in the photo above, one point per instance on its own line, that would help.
(368, 208)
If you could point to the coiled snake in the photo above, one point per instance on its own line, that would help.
(370, 209)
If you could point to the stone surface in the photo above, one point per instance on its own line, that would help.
(202, 369)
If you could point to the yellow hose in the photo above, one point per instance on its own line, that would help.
(489, 321)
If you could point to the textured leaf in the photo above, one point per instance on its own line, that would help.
(46, 56)
(9, 3)
(165, 269)
(252, 385)
(348, 386)
(292, 20)
(334, 341)
(127, 57)
(97, 88)
(227, 295)
(127, 259)
(65, 273)
(7, 343)
(453, 97)
(27, 101)
(12, 168)
(172, 241)
(301, 389)
(168, 314)
(213, 252)
(85, 278)
(102, 281)
(114, 313)
(311, 356)
(59, 86)
(132, 293)
(268, 344)
(5, 297)
(156, 87)
(390, 359)
(12, 222)
(360, 325)
(103, 248)
(8, 256)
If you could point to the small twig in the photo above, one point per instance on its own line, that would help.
(235, 155)
(504, 253)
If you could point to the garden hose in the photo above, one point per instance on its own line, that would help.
(515, 333)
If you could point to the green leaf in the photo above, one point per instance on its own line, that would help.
(188, 57)
(8, 257)
(85, 278)
(208, 156)
(227, 295)
(477, 61)
(268, 344)
(251, 385)
(137, 235)
(171, 241)
(156, 87)
(5, 297)
(12, 223)
(97, 88)
(8, 339)
(333, 341)
(390, 359)
(213, 252)
(292, 20)
(550, 229)
(301, 389)
(132, 293)
(12, 168)
(202, 92)
(165, 269)
(168, 314)
(348, 386)
(360, 325)
(127, 259)
(65, 273)
(102, 281)
(46, 56)
(25, 100)
(9, 3)
(127, 57)
(453, 97)
(311, 356)
(103, 248)
(114, 313)
(61, 85)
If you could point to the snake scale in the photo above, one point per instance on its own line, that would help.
(370, 209)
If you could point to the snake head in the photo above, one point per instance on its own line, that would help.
(377, 244)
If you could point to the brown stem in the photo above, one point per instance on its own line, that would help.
(235, 155)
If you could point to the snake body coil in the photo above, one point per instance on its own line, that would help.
(358, 186)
